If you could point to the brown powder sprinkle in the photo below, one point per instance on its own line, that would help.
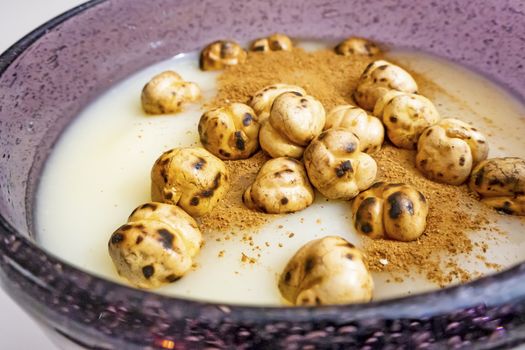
(323, 74)
(231, 213)
(247, 259)
(454, 210)
(328, 77)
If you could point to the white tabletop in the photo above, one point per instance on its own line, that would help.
(17, 18)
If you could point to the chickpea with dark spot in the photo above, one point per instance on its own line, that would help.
(326, 271)
(396, 211)
(294, 121)
(367, 128)
(337, 167)
(230, 132)
(192, 178)
(379, 78)
(447, 151)
(405, 116)
(156, 246)
(274, 42)
(356, 46)
(281, 186)
(262, 100)
(501, 184)
(221, 54)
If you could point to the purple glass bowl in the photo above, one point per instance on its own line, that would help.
(48, 77)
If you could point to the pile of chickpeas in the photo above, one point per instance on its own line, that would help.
(310, 148)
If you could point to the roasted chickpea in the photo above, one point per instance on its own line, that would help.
(156, 246)
(397, 211)
(192, 178)
(367, 128)
(405, 116)
(262, 100)
(326, 271)
(501, 184)
(357, 46)
(221, 54)
(274, 42)
(378, 78)
(167, 92)
(336, 166)
(447, 151)
(281, 186)
(294, 121)
(230, 132)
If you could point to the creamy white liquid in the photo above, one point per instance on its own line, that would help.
(100, 171)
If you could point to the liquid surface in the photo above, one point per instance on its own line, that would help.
(100, 171)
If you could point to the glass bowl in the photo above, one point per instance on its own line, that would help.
(49, 76)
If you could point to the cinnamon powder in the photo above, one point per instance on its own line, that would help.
(231, 214)
(328, 77)
(454, 210)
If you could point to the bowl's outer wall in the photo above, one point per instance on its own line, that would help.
(49, 83)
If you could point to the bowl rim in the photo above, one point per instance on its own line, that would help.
(426, 304)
